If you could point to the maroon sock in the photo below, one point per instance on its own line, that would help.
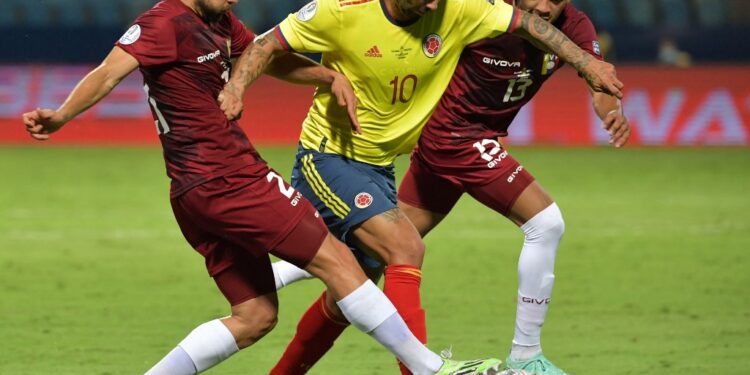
(402, 288)
(316, 333)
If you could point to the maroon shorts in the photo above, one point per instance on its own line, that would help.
(234, 221)
(440, 174)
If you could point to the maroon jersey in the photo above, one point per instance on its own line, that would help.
(185, 63)
(495, 78)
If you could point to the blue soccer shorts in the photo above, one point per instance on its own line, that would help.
(344, 191)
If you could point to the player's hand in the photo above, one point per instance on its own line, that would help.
(617, 125)
(342, 89)
(601, 77)
(40, 123)
(230, 101)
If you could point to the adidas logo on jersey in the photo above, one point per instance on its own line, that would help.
(373, 52)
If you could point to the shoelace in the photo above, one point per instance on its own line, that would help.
(447, 353)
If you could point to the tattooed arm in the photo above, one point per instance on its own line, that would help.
(267, 55)
(254, 60)
(599, 75)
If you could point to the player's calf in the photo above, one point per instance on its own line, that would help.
(536, 279)
(249, 323)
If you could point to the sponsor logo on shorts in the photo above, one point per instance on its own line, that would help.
(491, 154)
(296, 199)
(431, 45)
(131, 36)
(515, 173)
(363, 200)
(496, 161)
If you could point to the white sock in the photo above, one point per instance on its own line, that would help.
(536, 277)
(206, 346)
(177, 362)
(368, 309)
(285, 273)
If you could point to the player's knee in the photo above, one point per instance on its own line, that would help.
(548, 224)
(333, 259)
(556, 223)
(343, 259)
(405, 251)
(252, 328)
(415, 246)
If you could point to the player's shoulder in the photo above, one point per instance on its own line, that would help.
(481, 2)
(474, 9)
(230, 17)
(465, 3)
(572, 18)
(350, 5)
(229, 20)
(336, 10)
(160, 15)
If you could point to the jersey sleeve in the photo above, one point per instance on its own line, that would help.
(241, 36)
(487, 19)
(314, 28)
(151, 40)
(581, 31)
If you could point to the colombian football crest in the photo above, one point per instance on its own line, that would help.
(431, 45)
(363, 200)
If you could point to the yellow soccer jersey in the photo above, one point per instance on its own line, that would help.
(399, 71)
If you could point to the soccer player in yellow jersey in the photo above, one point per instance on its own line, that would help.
(399, 56)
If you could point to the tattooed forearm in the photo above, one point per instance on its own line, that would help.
(540, 25)
(255, 59)
(393, 215)
(261, 41)
(554, 40)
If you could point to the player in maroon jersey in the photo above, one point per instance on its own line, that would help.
(459, 152)
(231, 207)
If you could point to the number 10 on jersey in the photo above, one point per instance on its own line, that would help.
(403, 89)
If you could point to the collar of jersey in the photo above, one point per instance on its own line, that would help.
(393, 20)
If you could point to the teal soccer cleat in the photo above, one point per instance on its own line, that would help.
(536, 365)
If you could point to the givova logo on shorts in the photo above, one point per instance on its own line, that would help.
(489, 150)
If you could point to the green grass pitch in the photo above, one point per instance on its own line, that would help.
(652, 275)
